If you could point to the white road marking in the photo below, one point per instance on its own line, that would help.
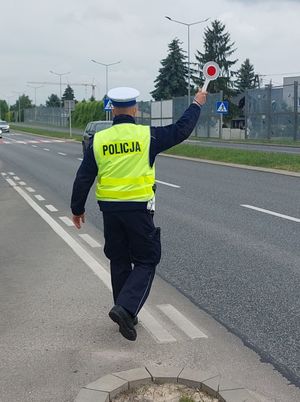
(58, 141)
(146, 319)
(11, 173)
(21, 142)
(181, 321)
(46, 149)
(34, 146)
(22, 183)
(90, 241)
(61, 153)
(11, 182)
(30, 189)
(45, 141)
(4, 174)
(266, 211)
(16, 178)
(75, 246)
(155, 328)
(33, 142)
(80, 159)
(167, 184)
(39, 197)
(67, 221)
(51, 208)
(6, 142)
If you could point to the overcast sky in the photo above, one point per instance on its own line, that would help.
(64, 35)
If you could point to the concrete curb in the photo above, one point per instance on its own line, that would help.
(109, 386)
(235, 165)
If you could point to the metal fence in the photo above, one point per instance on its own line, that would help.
(269, 113)
(273, 112)
(161, 113)
(50, 116)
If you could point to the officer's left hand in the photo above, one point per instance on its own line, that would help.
(77, 219)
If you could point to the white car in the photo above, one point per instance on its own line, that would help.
(4, 126)
(0, 133)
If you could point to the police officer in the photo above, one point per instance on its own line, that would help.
(122, 158)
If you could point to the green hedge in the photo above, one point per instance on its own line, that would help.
(87, 111)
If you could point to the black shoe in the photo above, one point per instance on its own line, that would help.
(125, 321)
(135, 320)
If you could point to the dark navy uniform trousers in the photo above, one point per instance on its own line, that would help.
(132, 244)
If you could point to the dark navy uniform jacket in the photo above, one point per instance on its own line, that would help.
(162, 138)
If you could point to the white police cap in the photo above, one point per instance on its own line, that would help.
(123, 96)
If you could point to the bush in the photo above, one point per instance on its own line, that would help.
(87, 111)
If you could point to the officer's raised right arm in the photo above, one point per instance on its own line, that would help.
(166, 137)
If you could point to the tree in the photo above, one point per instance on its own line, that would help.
(53, 101)
(3, 109)
(246, 77)
(68, 94)
(217, 47)
(172, 78)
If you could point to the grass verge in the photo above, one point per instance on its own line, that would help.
(273, 160)
(47, 133)
(274, 141)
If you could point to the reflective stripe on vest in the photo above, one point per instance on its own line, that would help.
(122, 155)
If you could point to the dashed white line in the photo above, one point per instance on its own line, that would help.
(181, 321)
(4, 174)
(45, 141)
(11, 182)
(30, 189)
(67, 221)
(167, 184)
(155, 328)
(266, 211)
(22, 183)
(21, 142)
(46, 149)
(90, 241)
(61, 153)
(39, 197)
(51, 208)
(16, 178)
(33, 142)
(11, 173)
(34, 146)
(80, 159)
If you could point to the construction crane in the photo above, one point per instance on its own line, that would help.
(84, 84)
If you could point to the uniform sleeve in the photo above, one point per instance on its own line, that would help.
(84, 180)
(163, 138)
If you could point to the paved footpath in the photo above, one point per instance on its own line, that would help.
(55, 334)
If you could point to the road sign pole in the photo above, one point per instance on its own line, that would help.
(221, 119)
(70, 121)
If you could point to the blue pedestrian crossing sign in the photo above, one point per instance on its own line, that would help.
(222, 107)
(107, 105)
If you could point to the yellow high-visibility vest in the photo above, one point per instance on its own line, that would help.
(122, 155)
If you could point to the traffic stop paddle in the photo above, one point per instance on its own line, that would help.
(211, 71)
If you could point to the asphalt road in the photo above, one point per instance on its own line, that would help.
(240, 265)
(249, 147)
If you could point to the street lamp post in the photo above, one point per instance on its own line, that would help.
(189, 52)
(60, 75)
(106, 79)
(35, 89)
(106, 70)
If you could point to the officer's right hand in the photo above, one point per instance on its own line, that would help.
(200, 97)
(77, 219)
